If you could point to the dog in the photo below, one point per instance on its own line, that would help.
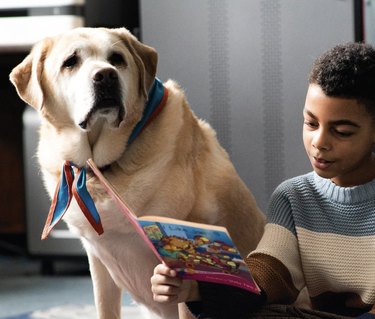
(91, 87)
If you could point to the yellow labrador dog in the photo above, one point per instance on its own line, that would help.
(94, 89)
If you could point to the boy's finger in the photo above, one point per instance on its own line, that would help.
(163, 269)
(166, 290)
(165, 280)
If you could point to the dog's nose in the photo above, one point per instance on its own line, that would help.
(105, 76)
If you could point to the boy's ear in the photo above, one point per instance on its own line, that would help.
(26, 77)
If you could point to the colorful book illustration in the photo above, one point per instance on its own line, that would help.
(196, 251)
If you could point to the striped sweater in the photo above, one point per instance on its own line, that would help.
(320, 236)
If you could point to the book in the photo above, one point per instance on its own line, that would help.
(196, 251)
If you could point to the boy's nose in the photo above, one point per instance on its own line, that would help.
(321, 141)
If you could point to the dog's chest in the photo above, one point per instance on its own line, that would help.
(119, 248)
(111, 218)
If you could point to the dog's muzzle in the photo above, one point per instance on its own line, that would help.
(107, 98)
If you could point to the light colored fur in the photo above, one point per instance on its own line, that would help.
(175, 167)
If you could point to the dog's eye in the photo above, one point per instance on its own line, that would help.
(70, 62)
(116, 59)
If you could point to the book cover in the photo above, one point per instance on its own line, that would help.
(196, 251)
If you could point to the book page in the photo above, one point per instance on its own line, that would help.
(200, 253)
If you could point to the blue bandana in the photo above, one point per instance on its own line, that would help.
(157, 98)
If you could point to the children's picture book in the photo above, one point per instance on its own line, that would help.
(196, 251)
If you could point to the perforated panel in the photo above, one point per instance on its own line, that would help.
(272, 94)
(220, 106)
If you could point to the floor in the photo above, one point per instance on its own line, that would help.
(64, 294)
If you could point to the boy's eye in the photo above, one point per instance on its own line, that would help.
(343, 130)
(310, 124)
(343, 133)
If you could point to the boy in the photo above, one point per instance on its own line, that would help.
(320, 232)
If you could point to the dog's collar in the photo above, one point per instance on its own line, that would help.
(157, 98)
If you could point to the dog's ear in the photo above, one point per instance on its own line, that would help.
(26, 76)
(145, 57)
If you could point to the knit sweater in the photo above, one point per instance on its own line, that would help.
(321, 236)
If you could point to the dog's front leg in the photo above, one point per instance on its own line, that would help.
(107, 294)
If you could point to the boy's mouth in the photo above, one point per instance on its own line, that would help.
(321, 163)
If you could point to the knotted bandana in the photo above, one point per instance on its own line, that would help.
(72, 186)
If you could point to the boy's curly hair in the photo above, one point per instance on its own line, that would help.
(347, 71)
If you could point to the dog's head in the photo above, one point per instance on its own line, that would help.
(87, 74)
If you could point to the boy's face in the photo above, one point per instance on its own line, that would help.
(339, 135)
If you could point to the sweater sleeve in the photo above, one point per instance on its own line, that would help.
(276, 263)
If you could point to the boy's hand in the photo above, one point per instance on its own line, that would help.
(168, 288)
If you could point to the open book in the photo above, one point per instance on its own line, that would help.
(196, 251)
